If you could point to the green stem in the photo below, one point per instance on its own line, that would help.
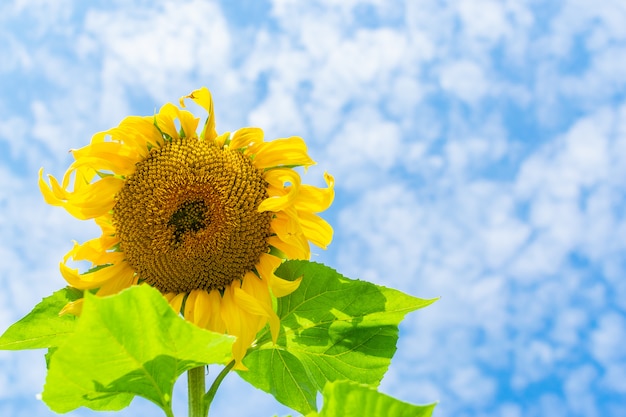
(208, 397)
(195, 389)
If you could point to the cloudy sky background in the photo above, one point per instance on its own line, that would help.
(478, 148)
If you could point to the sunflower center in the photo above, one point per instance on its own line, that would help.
(187, 217)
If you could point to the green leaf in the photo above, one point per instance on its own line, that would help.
(43, 327)
(333, 328)
(132, 343)
(347, 399)
(48, 355)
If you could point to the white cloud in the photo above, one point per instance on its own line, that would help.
(465, 80)
(444, 245)
(578, 390)
(285, 106)
(607, 340)
(157, 50)
(364, 147)
(471, 386)
(483, 19)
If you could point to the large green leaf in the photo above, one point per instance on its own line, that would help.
(42, 327)
(333, 328)
(347, 399)
(132, 343)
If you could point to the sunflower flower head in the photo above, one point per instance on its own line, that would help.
(205, 218)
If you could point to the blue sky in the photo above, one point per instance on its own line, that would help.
(477, 147)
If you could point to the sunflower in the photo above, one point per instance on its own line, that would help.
(206, 219)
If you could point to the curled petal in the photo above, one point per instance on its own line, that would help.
(138, 133)
(165, 121)
(281, 196)
(108, 238)
(94, 252)
(314, 199)
(86, 202)
(107, 156)
(202, 97)
(97, 278)
(280, 287)
(282, 152)
(47, 191)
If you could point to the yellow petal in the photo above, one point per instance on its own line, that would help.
(104, 189)
(188, 123)
(281, 197)
(95, 201)
(49, 196)
(248, 303)
(86, 202)
(258, 289)
(113, 163)
(93, 252)
(94, 279)
(235, 320)
(216, 323)
(119, 158)
(281, 287)
(286, 226)
(289, 250)
(119, 283)
(190, 304)
(282, 152)
(266, 267)
(108, 149)
(202, 309)
(316, 199)
(316, 229)
(175, 300)
(246, 137)
(136, 132)
(73, 307)
(164, 120)
(221, 139)
(202, 97)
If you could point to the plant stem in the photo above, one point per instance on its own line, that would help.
(208, 397)
(195, 390)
